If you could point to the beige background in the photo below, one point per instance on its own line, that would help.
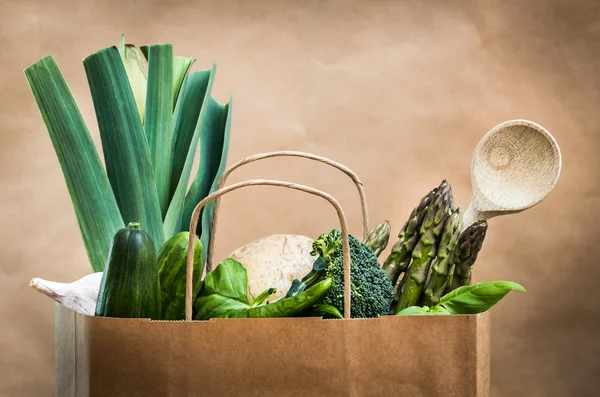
(399, 91)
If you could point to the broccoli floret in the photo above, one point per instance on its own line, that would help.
(326, 244)
(371, 289)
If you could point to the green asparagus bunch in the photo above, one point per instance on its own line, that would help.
(464, 255)
(438, 211)
(438, 282)
(378, 238)
(399, 258)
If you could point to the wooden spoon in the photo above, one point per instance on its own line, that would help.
(514, 167)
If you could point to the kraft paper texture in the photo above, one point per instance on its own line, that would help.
(100, 357)
(399, 91)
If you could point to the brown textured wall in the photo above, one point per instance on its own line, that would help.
(399, 91)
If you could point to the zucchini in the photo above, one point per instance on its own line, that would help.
(172, 271)
(130, 286)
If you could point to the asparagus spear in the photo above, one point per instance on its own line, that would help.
(398, 293)
(378, 238)
(399, 259)
(465, 254)
(437, 283)
(426, 249)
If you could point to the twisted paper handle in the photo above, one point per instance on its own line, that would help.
(287, 153)
(265, 182)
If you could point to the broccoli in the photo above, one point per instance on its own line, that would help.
(371, 289)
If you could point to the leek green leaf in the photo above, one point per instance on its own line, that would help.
(212, 124)
(181, 69)
(135, 66)
(126, 152)
(122, 46)
(159, 116)
(91, 194)
(214, 146)
(190, 119)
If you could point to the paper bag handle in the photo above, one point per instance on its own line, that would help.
(265, 182)
(287, 153)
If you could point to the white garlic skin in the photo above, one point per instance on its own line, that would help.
(80, 295)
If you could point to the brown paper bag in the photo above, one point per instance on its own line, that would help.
(388, 356)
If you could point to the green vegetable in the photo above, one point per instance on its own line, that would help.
(438, 280)
(477, 298)
(159, 118)
(287, 307)
(136, 73)
(152, 117)
(196, 88)
(426, 249)
(215, 121)
(263, 296)
(470, 299)
(181, 69)
(191, 122)
(378, 238)
(225, 295)
(124, 143)
(371, 290)
(465, 254)
(172, 271)
(296, 287)
(93, 200)
(399, 259)
(420, 311)
(130, 287)
(325, 311)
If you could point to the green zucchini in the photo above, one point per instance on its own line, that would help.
(172, 271)
(130, 286)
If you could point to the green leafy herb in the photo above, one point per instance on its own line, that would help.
(477, 298)
(419, 311)
(414, 310)
(469, 299)
(229, 279)
(224, 295)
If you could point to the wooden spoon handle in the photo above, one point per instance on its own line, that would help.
(472, 215)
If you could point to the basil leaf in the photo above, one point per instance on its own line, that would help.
(213, 306)
(229, 279)
(414, 310)
(477, 298)
(438, 310)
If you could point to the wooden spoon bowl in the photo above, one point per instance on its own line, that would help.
(514, 167)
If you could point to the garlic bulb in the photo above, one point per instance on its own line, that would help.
(80, 296)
